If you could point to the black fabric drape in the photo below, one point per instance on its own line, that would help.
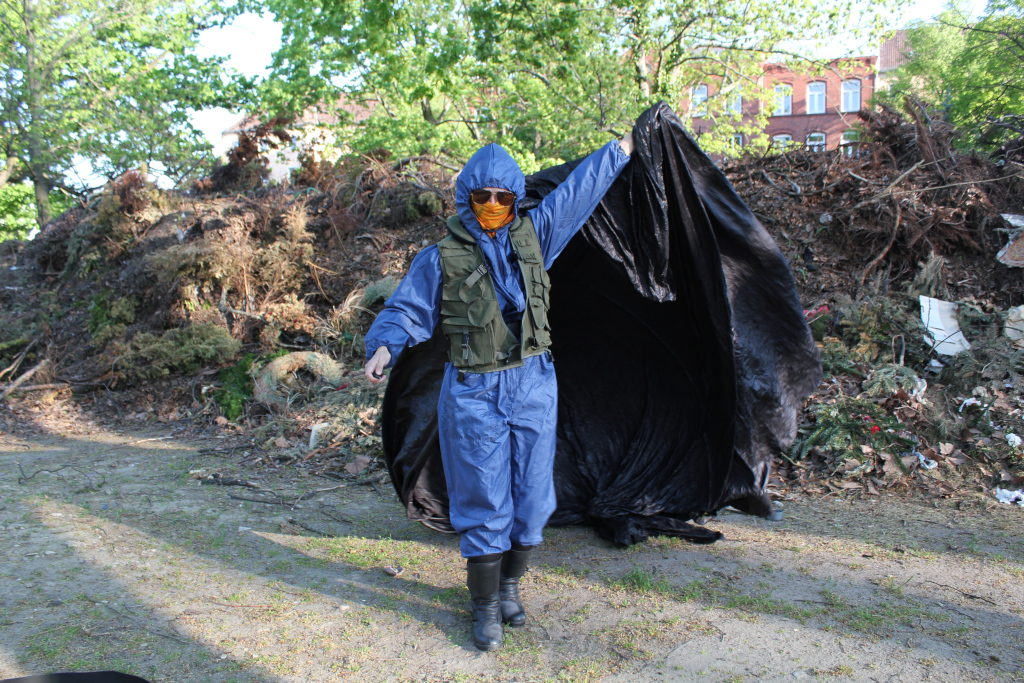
(680, 347)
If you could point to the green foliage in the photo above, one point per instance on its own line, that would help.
(547, 79)
(237, 383)
(18, 209)
(844, 424)
(108, 321)
(110, 82)
(380, 290)
(973, 72)
(147, 356)
(889, 378)
(884, 328)
(236, 387)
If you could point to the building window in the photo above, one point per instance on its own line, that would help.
(781, 142)
(816, 142)
(737, 140)
(698, 101)
(850, 142)
(783, 100)
(816, 98)
(851, 96)
(734, 104)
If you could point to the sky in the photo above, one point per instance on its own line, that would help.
(249, 44)
(250, 41)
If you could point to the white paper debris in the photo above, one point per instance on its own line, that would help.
(1014, 441)
(969, 402)
(1014, 327)
(317, 432)
(1013, 253)
(926, 463)
(940, 319)
(1013, 219)
(1010, 497)
(920, 386)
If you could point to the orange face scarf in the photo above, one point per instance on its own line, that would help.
(493, 216)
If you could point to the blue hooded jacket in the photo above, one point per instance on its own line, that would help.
(411, 313)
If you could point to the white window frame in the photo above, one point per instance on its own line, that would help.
(699, 100)
(782, 140)
(851, 96)
(818, 143)
(735, 103)
(850, 142)
(815, 102)
(737, 140)
(783, 100)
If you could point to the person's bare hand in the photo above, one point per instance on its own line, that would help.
(375, 366)
(626, 143)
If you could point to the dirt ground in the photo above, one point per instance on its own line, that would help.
(120, 558)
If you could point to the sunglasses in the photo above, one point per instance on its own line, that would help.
(484, 196)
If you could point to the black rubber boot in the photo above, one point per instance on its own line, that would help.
(482, 580)
(513, 566)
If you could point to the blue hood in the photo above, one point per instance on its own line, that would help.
(492, 166)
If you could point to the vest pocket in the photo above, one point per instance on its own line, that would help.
(538, 302)
(470, 344)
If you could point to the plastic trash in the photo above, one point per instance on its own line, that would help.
(317, 433)
(939, 317)
(1013, 441)
(968, 403)
(1013, 253)
(1014, 327)
(1010, 497)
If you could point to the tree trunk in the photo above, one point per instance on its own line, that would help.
(42, 187)
(12, 163)
(36, 164)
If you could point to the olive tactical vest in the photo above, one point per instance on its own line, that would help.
(470, 316)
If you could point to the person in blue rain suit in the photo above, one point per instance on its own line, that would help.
(487, 284)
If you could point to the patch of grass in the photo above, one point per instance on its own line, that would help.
(765, 604)
(581, 614)
(639, 580)
(521, 650)
(455, 596)
(367, 552)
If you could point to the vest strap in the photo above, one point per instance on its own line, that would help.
(475, 276)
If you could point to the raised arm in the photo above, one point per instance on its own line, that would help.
(564, 211)
(410, 314)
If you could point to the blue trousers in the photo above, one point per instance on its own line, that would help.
(497, 434)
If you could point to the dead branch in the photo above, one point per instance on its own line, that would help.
(972, 596)
(887, 191)
(307, 527)
(892, 240)
(41, 387)
(28, 375)
(24, 478)
(797, 193)
(13, 367)
(280, 500)
(135, 621)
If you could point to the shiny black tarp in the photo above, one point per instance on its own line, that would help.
(680, 347)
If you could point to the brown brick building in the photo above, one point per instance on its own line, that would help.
(817, 110)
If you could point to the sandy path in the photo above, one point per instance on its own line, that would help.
(122, 560)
